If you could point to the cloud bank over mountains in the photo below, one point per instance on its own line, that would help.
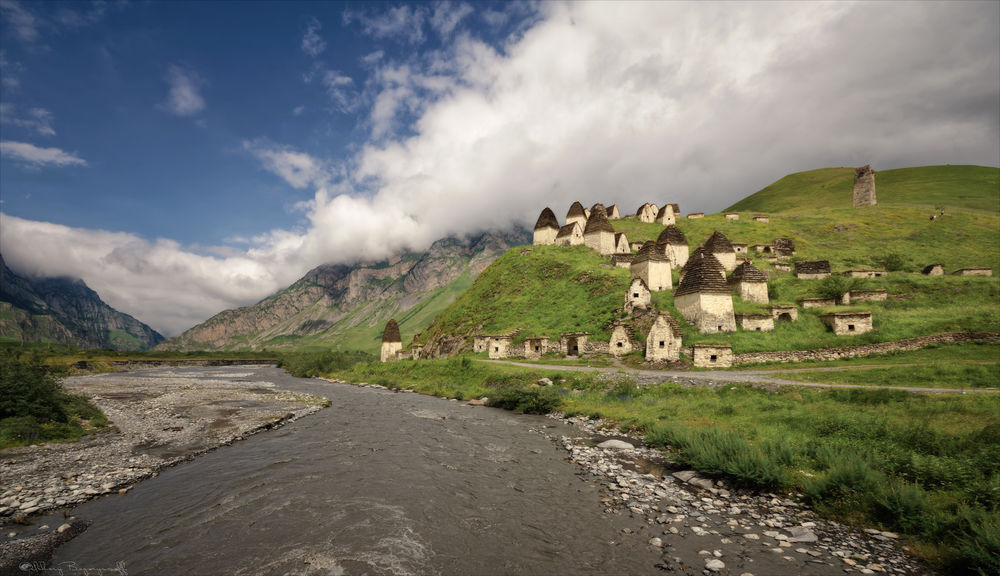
(689, 103)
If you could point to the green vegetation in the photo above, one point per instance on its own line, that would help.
(974, 374)
(925, 465)
(35, 408)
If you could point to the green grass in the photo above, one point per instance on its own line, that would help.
(962, 187)
(970, 352)
(950, 375)
(924, 465)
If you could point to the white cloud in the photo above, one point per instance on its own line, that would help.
(700, 104)
(298, 169)
(184, 97)
(36, 157)
(312, 43)
(38, 120)
(80, 18)
(338, 86)
(404, 23)
(447, 15)
(21, 22)
(9, 73)
(298, 110)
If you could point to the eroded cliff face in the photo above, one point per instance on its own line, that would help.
(65, 310)
(332, 301)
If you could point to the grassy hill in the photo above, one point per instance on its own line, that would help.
(960, 187)
(548, 290)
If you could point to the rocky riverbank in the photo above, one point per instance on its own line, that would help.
(155, 423)
(702, 525)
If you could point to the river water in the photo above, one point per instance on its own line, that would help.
(378, 483)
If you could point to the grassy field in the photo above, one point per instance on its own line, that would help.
(925, 465)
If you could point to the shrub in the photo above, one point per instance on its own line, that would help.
(849, 477)
(894, 262)
(903, 506)
(525, 400)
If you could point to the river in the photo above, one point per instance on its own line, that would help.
(378, 483)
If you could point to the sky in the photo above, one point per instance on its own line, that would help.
(183, 158)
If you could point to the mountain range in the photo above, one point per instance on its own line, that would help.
(67, 311)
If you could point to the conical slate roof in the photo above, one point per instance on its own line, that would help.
(597, 207)
(575, 209)
(698, 254)
(705, 275)
(598, 222)
(391, 332)
(672, 235)
(567, 230)
(717, 243)
(648, 252)
(663, 211)
(641, 208)
(747, 272)
(547, 219)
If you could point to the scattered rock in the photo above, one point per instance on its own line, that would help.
(615, 445)
(714, 564)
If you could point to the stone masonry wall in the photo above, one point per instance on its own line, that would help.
(866, 350)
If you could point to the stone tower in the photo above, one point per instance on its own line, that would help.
(864, 186)
(392, 342)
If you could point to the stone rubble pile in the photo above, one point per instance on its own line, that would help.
(735, 525)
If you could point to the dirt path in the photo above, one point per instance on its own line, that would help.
(711, 377)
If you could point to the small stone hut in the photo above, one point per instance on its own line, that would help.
(865, 273)
(740, 248)
(546, 228)
(673, 243)
(698, 254)
(762, 219)
(535, 347)
(864, 296)
(646, 213)
(666, 215)
(846, 323)
(570, 235)
(817, 303)
(712, 356)
(612, 212)
(576, 214)
(480, 343)
(696, 215)
(816, 270)
(732, 216)
(598, 235)
(621, 340)
(755, 322)
(719, 246)
(653, 267)
(783, 247)
(663, 344)
(622, 260)
(500, 346)
(416, 351)
(638, 296)
(750, 283)
(621, 244)
(703, 297)
(933, 270)
(392, 342)
(784, 313)
(973, 272)
(864, 186)
(573, 343)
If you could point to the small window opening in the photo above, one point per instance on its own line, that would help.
(720, 328)
(496, 348)
(662, 343)
(714, 358)
(757, 329)
(850, 327)
(619, 344)
(635, 295)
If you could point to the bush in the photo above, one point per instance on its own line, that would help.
(894, 262)
(525, 400)
(834, 286)
(903, 506)
(849, 477)
(717, 452)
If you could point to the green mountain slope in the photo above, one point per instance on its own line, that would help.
(962, 187)
(548, 290)
(346, 307)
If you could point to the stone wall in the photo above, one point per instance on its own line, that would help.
(865, 350)
(390, 351)
(848, 323)
(755, 322)
(545, 236)
(602, 242)
(708, 312)
(753, 292)
(655, 273)
(705, 356)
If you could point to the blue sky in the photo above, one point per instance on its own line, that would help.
(187, 157)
